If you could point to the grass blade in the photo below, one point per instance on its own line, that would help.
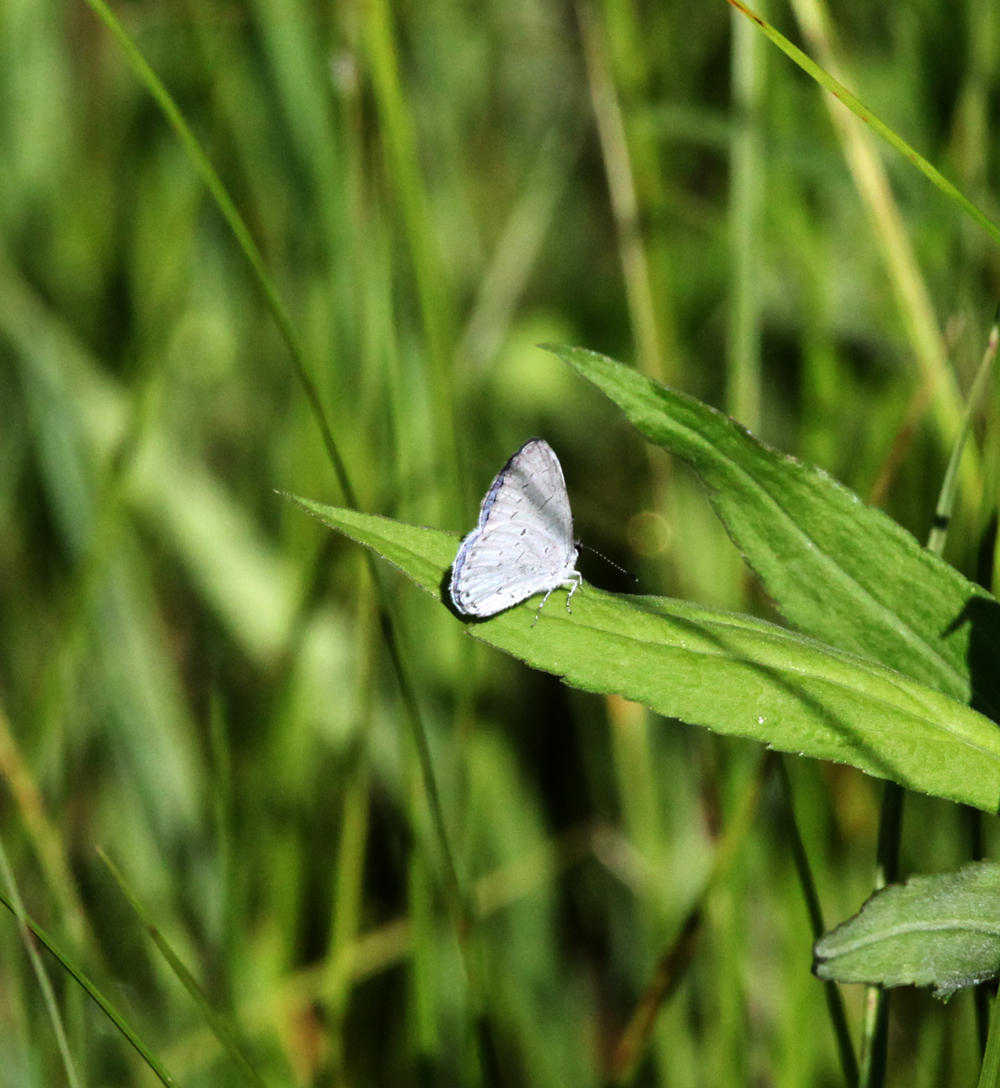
(163, 99)
(38, 967)
(106, 1007)
(152, 82)
(219, 1028)
(859, 109)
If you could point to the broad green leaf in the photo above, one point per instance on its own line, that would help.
(837, 569)
(941, 931)
(734, 674)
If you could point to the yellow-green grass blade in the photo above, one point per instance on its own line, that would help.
(859, 109)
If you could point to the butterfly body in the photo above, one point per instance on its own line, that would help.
(523, 543)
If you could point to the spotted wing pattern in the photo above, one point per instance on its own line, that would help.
(523, 543)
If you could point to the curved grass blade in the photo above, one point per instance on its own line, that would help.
(105, 1005)
(734, 674)
(859, 109)
(152, 82)
(216, 1023)
(919, 324)
(51, 1005)
(836, 568)
(279, 312)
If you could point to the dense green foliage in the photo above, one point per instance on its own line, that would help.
(207, 683)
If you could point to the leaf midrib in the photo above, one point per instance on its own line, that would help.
(880, 674)
(904, 929)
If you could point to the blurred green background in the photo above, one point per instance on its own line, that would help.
(192, 672)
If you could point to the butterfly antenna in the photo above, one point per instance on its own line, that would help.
(634, 577)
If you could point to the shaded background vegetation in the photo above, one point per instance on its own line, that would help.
(191, 671)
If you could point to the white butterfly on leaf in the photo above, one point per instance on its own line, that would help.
(523, 543)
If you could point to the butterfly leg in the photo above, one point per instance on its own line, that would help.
(576, 580)
(539, 611)
(572, 583)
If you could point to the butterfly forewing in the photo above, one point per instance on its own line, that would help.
(532, 480)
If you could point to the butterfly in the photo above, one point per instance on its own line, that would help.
(523, 543)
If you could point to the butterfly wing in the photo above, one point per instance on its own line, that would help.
(523, 543)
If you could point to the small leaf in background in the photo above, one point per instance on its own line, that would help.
(941, 931)
(734, 674)
(836, 568)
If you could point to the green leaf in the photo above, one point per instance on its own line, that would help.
(734, 674)
(941, 931)
(837, 569)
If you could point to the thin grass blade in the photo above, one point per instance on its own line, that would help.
(105, 1005)
(216, 1023)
